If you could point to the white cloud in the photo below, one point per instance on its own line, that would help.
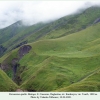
(31, 12)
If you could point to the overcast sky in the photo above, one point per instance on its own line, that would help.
(31, 12)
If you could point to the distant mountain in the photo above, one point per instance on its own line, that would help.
(58, 56)
(12, 36)
(9, 32)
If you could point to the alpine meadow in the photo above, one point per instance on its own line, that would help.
(58, 56)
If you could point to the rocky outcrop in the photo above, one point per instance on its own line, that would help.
(4, 66)
(13, 64)
(97, 21)
(24, 50)
(14, 61)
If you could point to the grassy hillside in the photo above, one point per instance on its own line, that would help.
(71, 59)
(17, 35)
(90, 83)
(10, 31)
(62, 64)
(67, 25)
(6, 84)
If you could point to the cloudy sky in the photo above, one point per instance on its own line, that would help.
(31, 12)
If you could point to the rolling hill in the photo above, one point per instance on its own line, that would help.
(59, 56)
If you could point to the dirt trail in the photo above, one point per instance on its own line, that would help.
(94, 72)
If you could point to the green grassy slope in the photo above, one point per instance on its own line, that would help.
(20, 36)
(64, 26)
(10, 31)
(75, 45)
(91, 83)
(63, 63)
(13, 36)
(6, 84)
(70, 60)
(54, 73)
